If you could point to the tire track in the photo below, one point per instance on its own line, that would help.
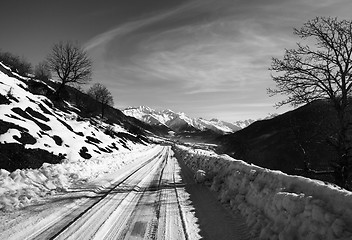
(116, 206)
(170, 219)
(52, 229)
(143, 216)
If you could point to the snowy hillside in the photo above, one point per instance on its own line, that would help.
(179, 121)
(34, 133)
(32, 121)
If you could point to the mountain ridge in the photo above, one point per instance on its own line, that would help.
(179, 121)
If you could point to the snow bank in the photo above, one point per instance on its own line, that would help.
(25, 186)
(276, 205)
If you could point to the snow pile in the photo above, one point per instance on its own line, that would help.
(276, 205)
(26, 186)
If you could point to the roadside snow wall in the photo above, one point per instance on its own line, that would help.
(275, 205)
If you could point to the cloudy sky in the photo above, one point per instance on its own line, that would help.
(207, 58)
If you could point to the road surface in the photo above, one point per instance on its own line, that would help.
(155, 198)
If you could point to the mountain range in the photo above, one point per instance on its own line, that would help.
(180, 122)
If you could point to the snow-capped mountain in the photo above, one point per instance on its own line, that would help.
(244, 123)
(232, 126)
(149, 115)
(178, 121)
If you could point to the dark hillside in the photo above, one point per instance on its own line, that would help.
(289, 142)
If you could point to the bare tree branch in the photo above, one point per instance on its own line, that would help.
(323, 71)
(70, 64)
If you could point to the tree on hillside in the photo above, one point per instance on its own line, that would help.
(321, 71)
(102, 95)
(42, 71)
(70, 63)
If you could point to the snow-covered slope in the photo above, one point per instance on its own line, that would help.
(33, 122)
(33, 132)
(178, 121)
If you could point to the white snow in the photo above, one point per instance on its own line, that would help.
(27, 186)
(72, 139)
(72, 133)
(276, 205)
(244, 123)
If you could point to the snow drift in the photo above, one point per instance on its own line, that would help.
(276, 205)
(27, 186)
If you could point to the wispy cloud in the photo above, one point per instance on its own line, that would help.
(125, 28)
(221, 47)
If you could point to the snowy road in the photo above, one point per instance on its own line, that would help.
(154, 198)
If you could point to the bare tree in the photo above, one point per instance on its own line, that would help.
(321, 71)
(102, 95)
(70, 64)
(42, 71)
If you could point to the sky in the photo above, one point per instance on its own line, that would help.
(206, 58)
